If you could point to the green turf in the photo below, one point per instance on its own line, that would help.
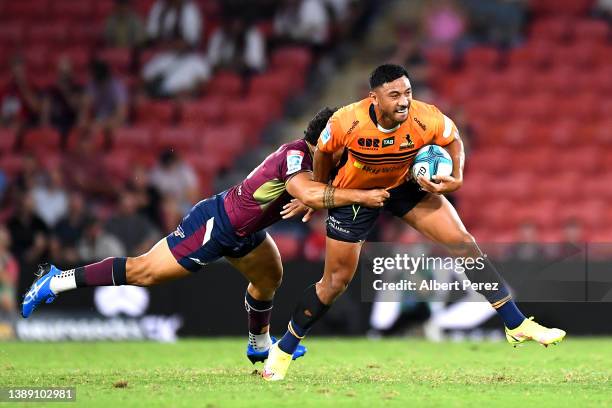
(336, 372)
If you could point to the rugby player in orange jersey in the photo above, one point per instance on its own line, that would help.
(380, 136)
(230, 224)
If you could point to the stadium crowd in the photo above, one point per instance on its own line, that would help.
(116, 116)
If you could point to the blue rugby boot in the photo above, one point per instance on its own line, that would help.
(40, 290)
(256, 356)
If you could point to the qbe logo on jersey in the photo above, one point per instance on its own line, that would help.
(294, 161)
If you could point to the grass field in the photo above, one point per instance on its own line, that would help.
(336, 372)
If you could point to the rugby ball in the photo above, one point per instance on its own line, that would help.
(432, 160)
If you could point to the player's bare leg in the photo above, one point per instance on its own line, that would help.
(437, 219)
(341, 260)
(263, 268)
(156, 266)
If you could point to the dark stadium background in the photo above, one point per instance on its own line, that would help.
(93, 169)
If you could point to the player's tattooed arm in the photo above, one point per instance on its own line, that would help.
(320, 196)
(328, 196)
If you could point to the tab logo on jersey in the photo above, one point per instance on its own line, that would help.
(390, 141)
(326, 134)
(294, 161)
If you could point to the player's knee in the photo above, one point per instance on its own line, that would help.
(461, 243)
(139, 271)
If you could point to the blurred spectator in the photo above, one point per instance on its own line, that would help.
(303, 21)
(50, 197)
(68, 231)
(9, 273)
(171, 214)
(499, 22)
(105, 102)
(444, 23)
(147, 197)
(123, 27)
(176, 27)
(30, 172)
(98, 244)
(64, 98)
(20, 105)
(135, 232)
(28, 231)
(237, 46)
(172, 176)
(83, 165)
(603, 8)
(527, 247)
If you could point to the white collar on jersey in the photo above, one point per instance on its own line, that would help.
(382, 129)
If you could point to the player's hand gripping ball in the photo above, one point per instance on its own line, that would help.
(432, 160)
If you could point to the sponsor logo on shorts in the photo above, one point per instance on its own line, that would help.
(334, 224)
(179, 232)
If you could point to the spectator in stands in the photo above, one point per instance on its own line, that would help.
(302, 21)
(603, 8)
(171, 214)
(30, 172)
(498, 22)
(527, 247)
(105, 102)
(98, 244)
(444, 23)
(20, 104)
(50, 197)
(172, 176)
(69, 230)
(123, 27)
(28, 231)
(237, 46)
(135, 232)
(9, 273)
(82, 166)
(148, 198)
(64, 99)
(175, 26)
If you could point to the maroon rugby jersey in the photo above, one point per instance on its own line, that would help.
(256, 203)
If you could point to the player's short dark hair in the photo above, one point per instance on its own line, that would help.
(386, 73)
(317, 124)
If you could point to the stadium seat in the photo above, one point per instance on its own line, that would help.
(289, 246)
(26, 10)
(102, 9)
(74, 10)
(77, 134)
(440, 57)
(207, 111)
(11, 164)
(8, 138)
(86, 35)
(119, 59)
(486, 58)
(492, 159)
(592, 31)
(133, 138)
(41, 139)
(11, 33)
(48, 34)
(148, 111)
(225, 84)
(555, 29)
(257, 110)
(297, 59)
(278, 84)
(182, 139)
(118, 165)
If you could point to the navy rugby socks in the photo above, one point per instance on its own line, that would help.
(307, 312)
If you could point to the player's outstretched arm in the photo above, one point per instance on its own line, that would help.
(318, 195)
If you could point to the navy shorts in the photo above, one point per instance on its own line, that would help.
(205, 235)
(353, 223)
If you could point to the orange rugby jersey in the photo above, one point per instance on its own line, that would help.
(379, 159)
